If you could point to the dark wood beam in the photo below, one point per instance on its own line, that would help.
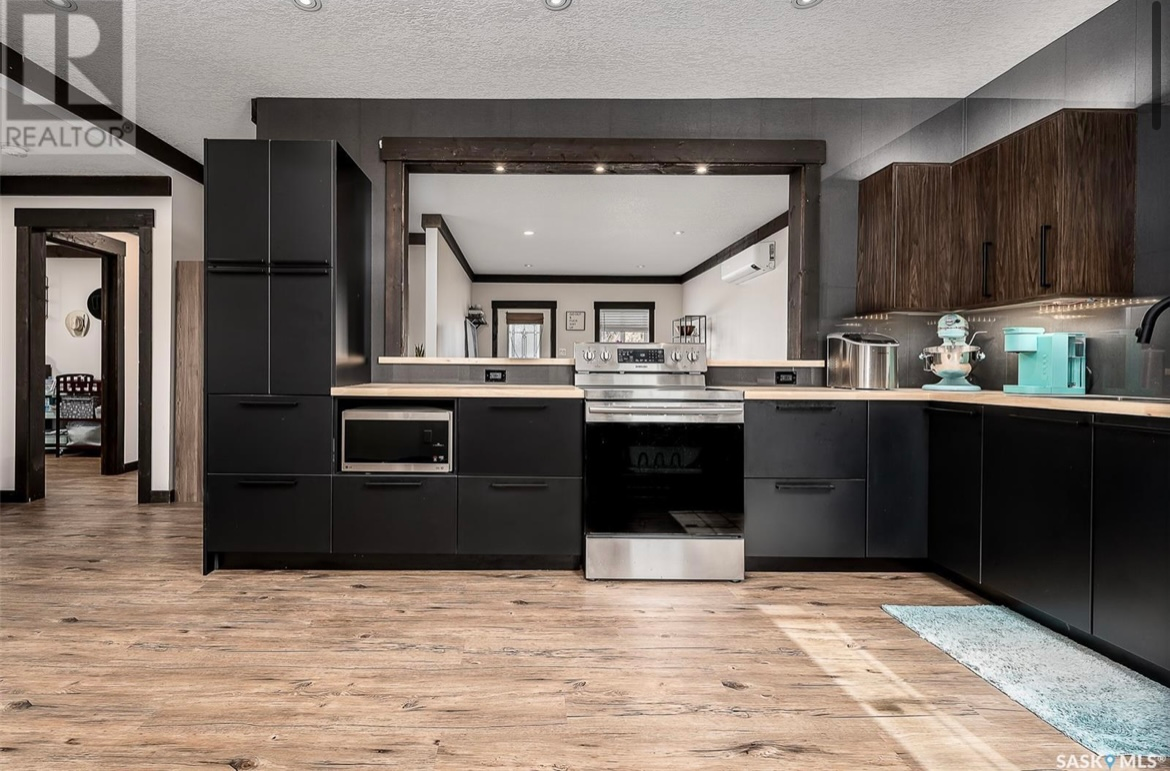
(63, 220)
(37, 184)
(804, 264)
(437, 221)
(418, 239)
(729, 251)
(95, 242)
(397, 246)
(28, 74)
(714, 153)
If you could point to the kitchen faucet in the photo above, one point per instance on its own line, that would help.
(1145, 333)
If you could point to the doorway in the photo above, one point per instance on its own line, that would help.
(79, 232)
(84, 374)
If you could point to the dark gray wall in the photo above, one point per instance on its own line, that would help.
(1104, 62)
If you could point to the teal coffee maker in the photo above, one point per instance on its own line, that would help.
(1049, 362)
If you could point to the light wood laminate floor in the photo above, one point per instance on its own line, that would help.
(116, 653)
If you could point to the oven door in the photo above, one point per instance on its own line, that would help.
(396, 441)
(664, 469)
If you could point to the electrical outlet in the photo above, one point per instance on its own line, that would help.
(786, 377)
(495, 376)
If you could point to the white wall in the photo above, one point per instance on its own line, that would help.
(748, 321)
(667, 299)
(130, 368)
(453, 298)
(70, 283)
(416, 288)
(191, 245)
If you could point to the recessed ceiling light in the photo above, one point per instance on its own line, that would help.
(528, 264)
(68, 6)
(557, 5)
(529, 233)
(308, 5)
(600, 169)
(678, 232)
(500, 168)
(639, 266)
(701, 169)
(805, 3)
(14, 151)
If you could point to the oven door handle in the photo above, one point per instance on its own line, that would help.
(656, 413)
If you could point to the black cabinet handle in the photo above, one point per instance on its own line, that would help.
(817, 487)
(519, 486)
(401, 483)
(1044, 282)
(267, 483)
(228, 268)
(298, 270)
(986, 269)
(1050, 419)
(806, 407)
(276, 404)
(1142, 429)
(518, 407)
(954, 411)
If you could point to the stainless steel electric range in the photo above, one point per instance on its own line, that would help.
(663, 464)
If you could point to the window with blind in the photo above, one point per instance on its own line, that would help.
(624, 322)
(525, 333)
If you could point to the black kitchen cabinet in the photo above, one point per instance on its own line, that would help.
(896, 521)
(1037, 510)
(395, 514)
(300, 337)
(236, 330)
(1131, 535)
(804, 518)
(269, 435)
(266, 513)
(805, 440)
(954, 478)
(517, 516)
(235, 188)
(521, 437)
(301, 201)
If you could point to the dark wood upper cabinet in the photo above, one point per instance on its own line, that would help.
(904, 238)
(1047, 211)
(975, 186)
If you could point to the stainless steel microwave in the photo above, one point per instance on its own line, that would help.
(415, 440)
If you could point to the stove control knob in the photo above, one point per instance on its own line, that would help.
(693, 356)
(676, 356)
(605, 355)
(589, 355)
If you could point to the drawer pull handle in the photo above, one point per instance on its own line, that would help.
(258, 270)
(293, 270)
(806, 407)
(268, 483)
(955, 411)
(519, 407)
(1047, 419)
(519, 486)
(273, 404)
(394, 484)
(818, 487)
(1141, 429)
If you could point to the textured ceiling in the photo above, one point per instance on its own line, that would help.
(595, 224)
(199, 63)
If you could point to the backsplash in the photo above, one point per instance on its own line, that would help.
(1118, 364)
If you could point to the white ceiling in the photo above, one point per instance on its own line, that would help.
(595, 224)
(199, 63)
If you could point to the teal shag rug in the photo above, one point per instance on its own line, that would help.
(1107, 708)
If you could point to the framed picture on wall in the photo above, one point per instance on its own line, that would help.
(574, 321)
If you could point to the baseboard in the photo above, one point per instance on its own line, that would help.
(162, 496)
(128, 467)
(252, 561)
(834, 565)
(10, 496)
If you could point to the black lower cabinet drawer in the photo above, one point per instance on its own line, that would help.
(278, 514)
(805, 440)
(520, 516)
(394, 515)
(514, 437)
(804, 518)
(269, 434)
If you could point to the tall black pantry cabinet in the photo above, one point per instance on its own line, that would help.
(286, 318)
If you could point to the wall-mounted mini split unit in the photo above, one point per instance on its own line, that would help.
(750, 263)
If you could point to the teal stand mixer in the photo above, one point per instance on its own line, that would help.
(955, 358)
